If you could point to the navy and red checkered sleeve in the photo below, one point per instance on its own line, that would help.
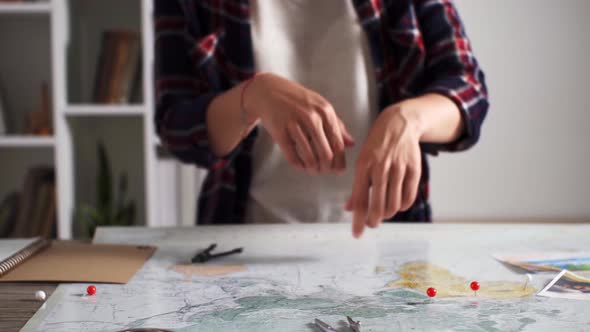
(451, 67)
(182, 91)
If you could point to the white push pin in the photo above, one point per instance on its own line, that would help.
(40, 295)
(529, 278)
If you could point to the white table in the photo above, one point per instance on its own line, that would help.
(289, 275)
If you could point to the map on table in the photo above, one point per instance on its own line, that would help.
(289, 275)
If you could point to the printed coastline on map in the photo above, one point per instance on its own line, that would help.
(544, 262)
(568, 285)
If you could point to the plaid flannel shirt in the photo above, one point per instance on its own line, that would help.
(204, 47)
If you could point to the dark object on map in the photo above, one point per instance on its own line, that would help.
(145, 329)
(323, 326)
(354, 326)
(206, 255)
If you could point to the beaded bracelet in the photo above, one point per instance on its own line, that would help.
(243, 111)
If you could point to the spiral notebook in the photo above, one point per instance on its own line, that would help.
(38, 259)
(15, 251)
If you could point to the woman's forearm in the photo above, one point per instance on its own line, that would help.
(301, 122)
(225, 122)
(436, 117)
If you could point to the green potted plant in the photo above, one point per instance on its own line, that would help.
(112, 208)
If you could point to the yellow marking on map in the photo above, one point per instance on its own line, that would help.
(421, 275)
(207, 270)
(380, 269)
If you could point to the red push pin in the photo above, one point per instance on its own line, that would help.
(431, 292)
(91, 290)
(475, 286)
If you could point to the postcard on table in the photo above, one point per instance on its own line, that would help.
(543, 262)
(568, 285)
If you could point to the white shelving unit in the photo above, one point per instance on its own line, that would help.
(25, 8)
(126, 130)
(17, 141)
(97, 110)
(68, 36)
(25, 63)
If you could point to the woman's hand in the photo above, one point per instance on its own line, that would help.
(388, 169)
(304, 124)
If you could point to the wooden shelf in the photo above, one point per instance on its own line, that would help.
(26, 141)
(104, 110)
(25, 8)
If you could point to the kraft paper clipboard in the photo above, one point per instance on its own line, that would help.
(71, 261)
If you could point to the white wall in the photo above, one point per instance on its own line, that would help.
(534, 156)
